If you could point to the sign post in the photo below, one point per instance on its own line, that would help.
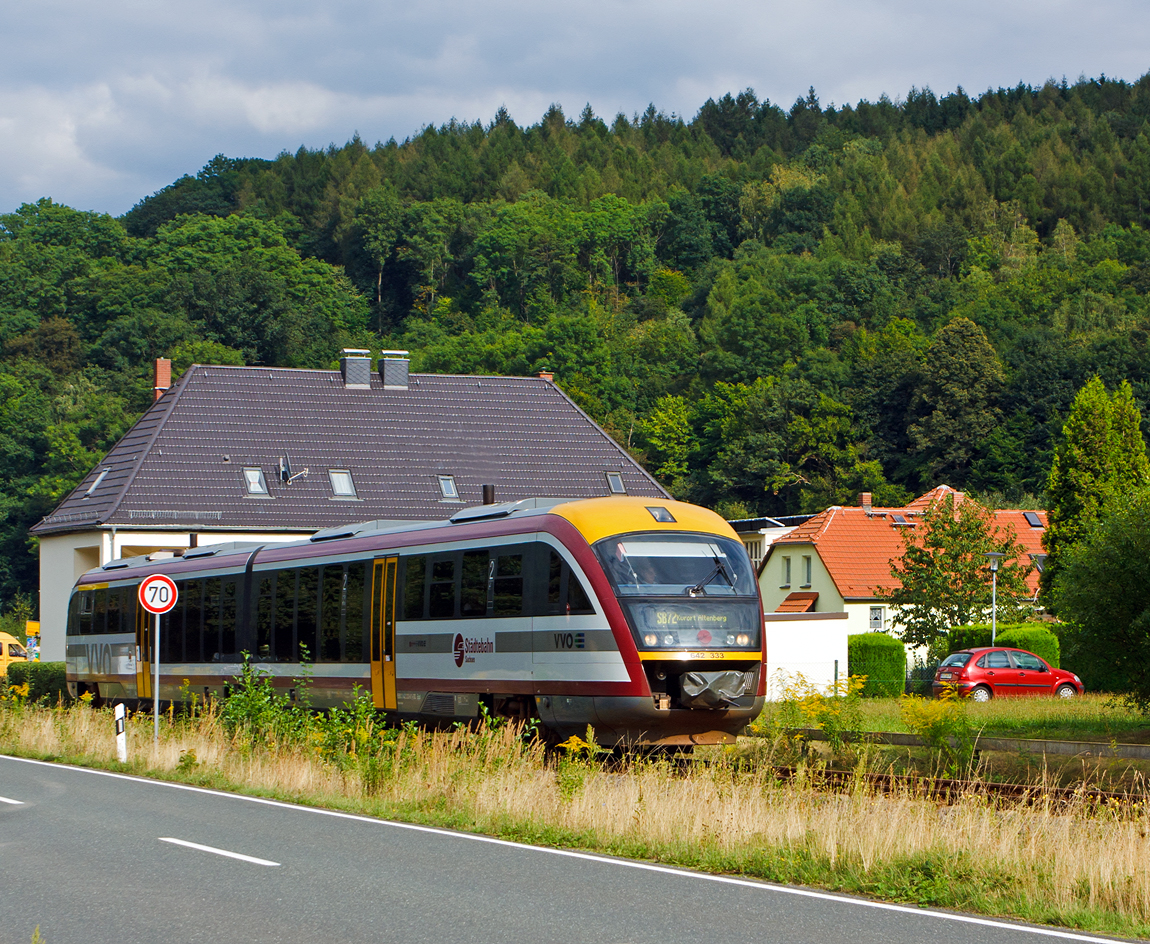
(157, 595)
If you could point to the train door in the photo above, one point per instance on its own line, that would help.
(143, 653)
(383, 632)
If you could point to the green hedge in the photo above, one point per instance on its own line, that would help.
(1033, 637)
(46, 680)
(882, 659)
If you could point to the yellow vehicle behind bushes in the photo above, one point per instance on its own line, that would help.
(11, 650)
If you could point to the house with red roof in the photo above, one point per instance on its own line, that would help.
(838, 560)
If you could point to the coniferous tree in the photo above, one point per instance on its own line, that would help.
(1102, 457)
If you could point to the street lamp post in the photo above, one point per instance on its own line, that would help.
(994, 557)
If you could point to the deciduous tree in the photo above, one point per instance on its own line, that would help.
(943, 574)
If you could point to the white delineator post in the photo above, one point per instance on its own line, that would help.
(121, 735)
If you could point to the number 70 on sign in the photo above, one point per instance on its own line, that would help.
(157, 593)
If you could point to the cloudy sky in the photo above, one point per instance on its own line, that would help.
(103, 103)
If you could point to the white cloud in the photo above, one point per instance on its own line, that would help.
(102, 104)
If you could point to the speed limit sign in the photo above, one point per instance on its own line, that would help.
(157, 593)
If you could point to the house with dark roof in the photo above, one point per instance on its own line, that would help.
(838, 560)
(272, 454)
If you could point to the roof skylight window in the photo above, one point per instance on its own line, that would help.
(615, 483)
(448, 488)
(255, 484)
(96, 482)
(342, 485)
(1032, 519)
(661, 514)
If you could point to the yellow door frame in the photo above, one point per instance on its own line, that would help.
(143, 653)
(384, 574)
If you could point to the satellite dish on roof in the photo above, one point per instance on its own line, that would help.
(285, 471)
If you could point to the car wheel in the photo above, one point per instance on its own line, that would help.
(982, 693)
(1066, 691)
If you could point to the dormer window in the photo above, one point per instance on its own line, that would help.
(255, 485)
(96, 482)
(447, 488)
(342, 485)
(615, 483)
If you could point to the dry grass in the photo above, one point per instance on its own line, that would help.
(1081, 866)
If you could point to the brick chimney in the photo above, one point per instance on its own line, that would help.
(163, 377)
(546, 375)
(864, 501)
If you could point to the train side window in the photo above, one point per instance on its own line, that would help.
(192, 594)
(265, 616)
(354, 621)
(331, 613)
(473, 590)
(441, 592)
(100, 611)
(577, 600)
(115, 596)
(283, 627)
(415, 568)
(172, 637)
(229, 651)
(509, 585)
(73, 616)
(87, 603)
(307, 603)
(554, 582)
(211, 635)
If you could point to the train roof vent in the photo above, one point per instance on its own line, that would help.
(487, 512)
(194, 552)
(342, 531)
(118, 564)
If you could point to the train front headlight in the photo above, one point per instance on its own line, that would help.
(730, 639)
(650, 640)
(668, 640)
(743, 639)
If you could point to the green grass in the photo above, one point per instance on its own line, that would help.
(1089, 718)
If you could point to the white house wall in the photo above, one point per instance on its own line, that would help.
(806, 644)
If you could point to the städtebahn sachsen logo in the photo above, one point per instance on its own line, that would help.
(467, 649)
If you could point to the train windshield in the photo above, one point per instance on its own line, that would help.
(677, 565)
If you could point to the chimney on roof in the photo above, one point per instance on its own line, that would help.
(489, 494)
(864, 501)
(546, 375)
(163, 377)
(393, 368)
(355, 366)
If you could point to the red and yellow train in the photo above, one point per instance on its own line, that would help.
(639, 617)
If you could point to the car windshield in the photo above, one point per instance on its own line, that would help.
(956, 658)
(691, 565)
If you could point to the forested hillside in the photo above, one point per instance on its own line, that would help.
(772, 309)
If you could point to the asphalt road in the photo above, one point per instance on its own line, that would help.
(93, 857)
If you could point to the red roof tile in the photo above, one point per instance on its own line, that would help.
(801, 601)
(856, 547)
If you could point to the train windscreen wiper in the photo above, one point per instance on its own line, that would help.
(720, 569)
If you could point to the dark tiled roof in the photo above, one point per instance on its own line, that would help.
(181, 466)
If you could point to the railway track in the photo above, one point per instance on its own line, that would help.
(949, 790)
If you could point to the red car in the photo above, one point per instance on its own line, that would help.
(989, 673)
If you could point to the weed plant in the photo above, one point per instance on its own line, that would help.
(1081, 864)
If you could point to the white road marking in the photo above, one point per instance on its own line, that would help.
(13, 802)
(219, 852)
(606, 860)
